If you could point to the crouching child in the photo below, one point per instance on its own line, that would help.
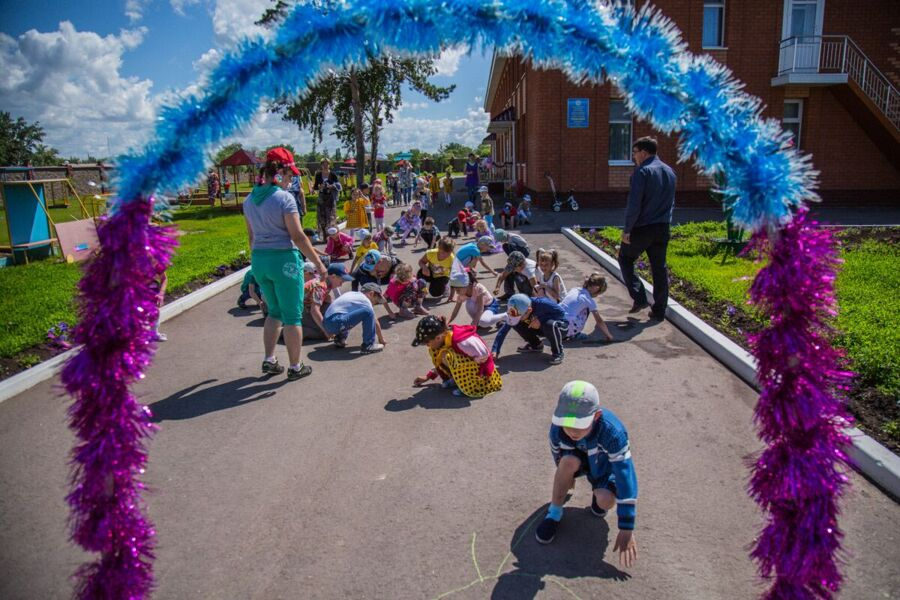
(588, 440)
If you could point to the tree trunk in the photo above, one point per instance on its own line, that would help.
(358, 128)
(374, 131)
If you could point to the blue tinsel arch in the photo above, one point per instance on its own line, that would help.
(797, 480)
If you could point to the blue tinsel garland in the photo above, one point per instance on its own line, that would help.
(675, 91)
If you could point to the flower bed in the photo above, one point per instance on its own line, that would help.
(868, 289)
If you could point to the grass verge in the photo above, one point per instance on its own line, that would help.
(868, 287)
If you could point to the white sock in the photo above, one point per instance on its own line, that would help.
(296, 367)
(271, 359)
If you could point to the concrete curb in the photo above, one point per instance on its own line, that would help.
(29, 378)
(871, 458)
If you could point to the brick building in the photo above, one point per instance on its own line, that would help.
(829, 69)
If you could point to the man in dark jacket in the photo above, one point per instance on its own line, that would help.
(647, 218)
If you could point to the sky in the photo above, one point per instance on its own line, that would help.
(95, 74)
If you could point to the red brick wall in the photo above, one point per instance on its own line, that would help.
(851, 165)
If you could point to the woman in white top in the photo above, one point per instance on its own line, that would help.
(549, 281)
(481, 305)
(579, 304)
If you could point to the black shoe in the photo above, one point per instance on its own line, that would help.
(272, 367)
(658, 316)
(546, 531)
(299, 373)
(242, 305)
(638, 306)
(595, 508)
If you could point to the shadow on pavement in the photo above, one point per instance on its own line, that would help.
(430, 396)
(517, 362)
(193, 402)
(622, 331)
(577, 551)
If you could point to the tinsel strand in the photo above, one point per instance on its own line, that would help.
(800, 477)
(118, 305)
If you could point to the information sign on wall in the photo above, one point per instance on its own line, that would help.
(577, 113)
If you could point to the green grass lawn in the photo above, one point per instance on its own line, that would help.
(868, 294)
(39, 295)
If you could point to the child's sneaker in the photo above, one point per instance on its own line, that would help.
(340, 340)
(271, 367)
(546, 531)
(595, 508)
(556, 360)
(448, 383)
(160, 337)
(369, 349)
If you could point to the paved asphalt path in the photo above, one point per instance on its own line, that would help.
(354, 484)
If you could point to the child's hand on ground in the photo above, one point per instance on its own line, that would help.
(419, 381)
(627, 548)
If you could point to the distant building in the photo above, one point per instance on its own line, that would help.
(828, 70)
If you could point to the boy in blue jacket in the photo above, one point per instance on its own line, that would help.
(531, 318)
(587, 440)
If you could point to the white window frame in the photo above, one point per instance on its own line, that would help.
(798, 119)
(630, 122)
(718, 4)
(786, 17)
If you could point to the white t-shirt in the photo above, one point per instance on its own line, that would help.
(530, 268)
(578, 305)
(548, 282)
(348, 302)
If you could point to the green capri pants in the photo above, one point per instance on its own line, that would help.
(280, 275)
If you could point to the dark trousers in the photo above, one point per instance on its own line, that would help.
(552, 330)
(510, 248)
(517, 283)
(436, 285)
(453, 228)
(653, 239)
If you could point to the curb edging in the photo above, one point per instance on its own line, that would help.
(867, 455)
(29, 378)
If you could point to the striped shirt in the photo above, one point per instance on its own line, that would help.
(608, 453)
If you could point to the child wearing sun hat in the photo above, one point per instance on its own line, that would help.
(459, 357)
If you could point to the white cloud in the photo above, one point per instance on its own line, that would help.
(427, 134)
(69, 80)
(447, 63)
(179, 5)
(413, 106)
(234, 20)
(134, 10)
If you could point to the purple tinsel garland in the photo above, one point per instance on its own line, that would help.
(800, 477)
(118, 305)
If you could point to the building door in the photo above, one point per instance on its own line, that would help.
(802, 36)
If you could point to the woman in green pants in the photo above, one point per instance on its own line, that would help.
(276, 241)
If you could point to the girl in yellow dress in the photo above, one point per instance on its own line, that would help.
(355, 209)
(460, 358)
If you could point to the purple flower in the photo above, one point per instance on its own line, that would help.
(592, 231)
(731, 310)
(642, 264)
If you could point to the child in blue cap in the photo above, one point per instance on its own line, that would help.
(588, 440)
(532, 318)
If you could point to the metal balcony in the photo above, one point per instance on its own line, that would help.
(835, 60)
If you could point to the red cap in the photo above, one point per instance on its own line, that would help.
(283, 156)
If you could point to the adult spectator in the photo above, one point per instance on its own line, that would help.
(212, 186)
(472, 181)
(276, 240)
(405, 181)
(327, 184)
(648, 215)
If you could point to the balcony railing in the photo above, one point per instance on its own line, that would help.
(838, 54)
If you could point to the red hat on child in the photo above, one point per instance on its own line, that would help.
(284, 156)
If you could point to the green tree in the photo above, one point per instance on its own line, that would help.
(338, 155)
(288, 147)
(45, 156)
(19, 140)
(226, 151)
(361, 100)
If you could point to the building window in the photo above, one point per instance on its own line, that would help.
(793, 117)
(714, 24)
(619, 132)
